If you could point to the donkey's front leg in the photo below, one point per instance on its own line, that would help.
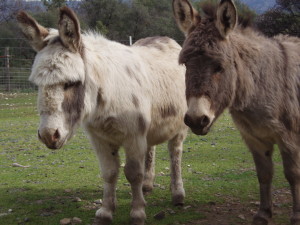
(109, 165)
(134, 172)
(175, 151)
(149, 170)
(291, 163)
(262, 155)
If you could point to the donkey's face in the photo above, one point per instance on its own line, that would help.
(207, 56)
(59, 73)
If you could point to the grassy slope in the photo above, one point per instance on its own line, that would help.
(215, 167)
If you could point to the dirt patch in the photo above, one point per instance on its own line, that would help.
(234, 212)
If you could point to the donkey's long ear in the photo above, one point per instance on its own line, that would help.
(69, 29)
(34, 32)
(185, 15)
(226, 17)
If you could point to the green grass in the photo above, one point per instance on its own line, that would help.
(215, 167)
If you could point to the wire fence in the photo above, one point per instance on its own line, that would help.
(15, 67)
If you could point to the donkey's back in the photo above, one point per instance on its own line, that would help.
(166, 78)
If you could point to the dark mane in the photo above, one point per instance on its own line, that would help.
(209, 9)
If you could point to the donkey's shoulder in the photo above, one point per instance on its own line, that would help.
(157, 42)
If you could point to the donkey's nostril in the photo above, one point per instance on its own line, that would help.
(204, 121)
(188, 120)
(56, 136)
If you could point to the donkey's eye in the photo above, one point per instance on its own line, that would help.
(218, 69)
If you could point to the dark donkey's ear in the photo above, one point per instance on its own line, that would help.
(69, 29)
(226, 17)
(185, 15)
(34, 32)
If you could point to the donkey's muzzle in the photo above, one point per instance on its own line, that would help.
(50, 137)
(198, 125)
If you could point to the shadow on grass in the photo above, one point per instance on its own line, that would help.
(48, 206)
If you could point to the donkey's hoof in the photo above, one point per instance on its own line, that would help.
(178, 200)
(147, 189)
(103, 217)
(261, 220)
(138, 217)
(137, 221)
(295, 220)
(102, 221)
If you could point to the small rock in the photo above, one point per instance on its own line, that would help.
(171, 211)
(68, 190)
(187, 207)
(77, 199)
(26, 219)
(10, 211)
(65, 221)
(242, 217)
(123, 165)
(3, 214)
(98, 201)
(46, 214)
(76, 220)
(162, 187)
(159, 216)
(19, 165)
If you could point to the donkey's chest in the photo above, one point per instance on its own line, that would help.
(109, 128)
(254, 124)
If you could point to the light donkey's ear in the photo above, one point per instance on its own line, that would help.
(69, 29)
(185, 15)
(226, 17)
(34, 32)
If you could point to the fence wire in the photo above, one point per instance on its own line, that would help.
(15, 66)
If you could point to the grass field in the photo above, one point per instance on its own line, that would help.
(218, 171)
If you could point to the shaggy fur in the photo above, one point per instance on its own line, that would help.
(124, 96)
(258, 79)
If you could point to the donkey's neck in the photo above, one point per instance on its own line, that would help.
(259, 65)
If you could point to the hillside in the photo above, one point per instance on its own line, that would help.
(260, 6)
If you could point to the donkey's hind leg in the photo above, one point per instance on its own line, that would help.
(262, 155)
(175, 146)
(291, 162)
(149, 173)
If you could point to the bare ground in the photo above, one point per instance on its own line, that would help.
(233, 212)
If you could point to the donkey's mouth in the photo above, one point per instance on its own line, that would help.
(56, 145)
(201, 131)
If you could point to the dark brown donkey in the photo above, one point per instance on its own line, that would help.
(257, 78)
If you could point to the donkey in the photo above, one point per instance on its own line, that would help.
(256, 78)
(123, 96)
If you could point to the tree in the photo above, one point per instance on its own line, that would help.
(54, 4)
(284, 18)
(245, 14)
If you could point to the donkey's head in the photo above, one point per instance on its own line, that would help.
(59, 73)
(208, 57)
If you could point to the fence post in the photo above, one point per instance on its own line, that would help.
(7, 72)
(130, 40)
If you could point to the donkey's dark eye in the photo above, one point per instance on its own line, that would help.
(218, 69)
(70, 85)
